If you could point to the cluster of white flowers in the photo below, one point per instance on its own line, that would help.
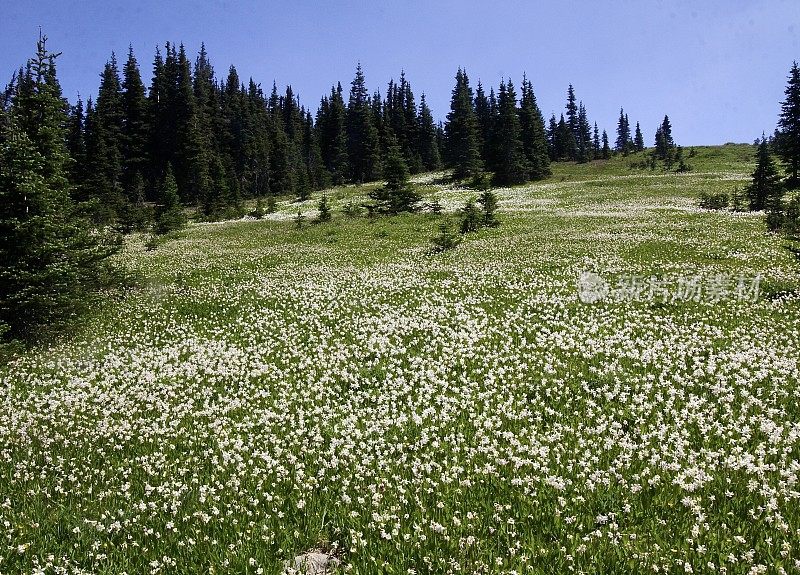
(442, 415)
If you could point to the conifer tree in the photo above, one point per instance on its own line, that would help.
(623, 143)
(362, 137)
(397, 195)
(76, 146)
(534, 138)
(552, 138)
(169, 214)
(765, 186)
(471, 217)
(606, 153)
(664, 144)
(484, 119)
(573, 124)
(161, 145)
(584, 138)
(193, 156)
(104, 148)
(317, 175)
(50, 260)
(331, 127)
(461, 131)
(788, 141)
(638, 142)
(426, 134)
(596, 146)
(488, 203)
(324, 209)
(512, 166)
(565, 142)
(135, 127)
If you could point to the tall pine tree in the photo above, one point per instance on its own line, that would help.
(50, 259)
(788, 141)
(362, 137)
(461, 131)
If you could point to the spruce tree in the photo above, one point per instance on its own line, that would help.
(606, 152)
(398, 194)
(596, 142)
(552, 138)
(161, 145)
(623, 143)
(584, 138)
(331, 127)
(193, 153)
(565, 142)
(512, 166)
(788, 140)
(573, 124)
(324, 209)
(765, 186)
(534, 138)
(362, 137)
(484, 119)
(50, 259)
(461, 131)
(169, 214)
(135, 128)
(426, 134)
(104, 128)
(76, 146)
(488, 202)
(638, 139)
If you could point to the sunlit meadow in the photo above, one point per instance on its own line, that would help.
(267, 390)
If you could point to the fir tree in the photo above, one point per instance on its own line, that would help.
(484, 118)
(461, 131)
(446, 240)
(397, 195)
(426, 133)
(76, 146)
(765, 185)
(565, 142)
(552, 138)
(471, 217)
(788, 141)
(623, 143)
(169, 214)
(50, 260)
(606, 152)
(324, 209)
(104, 157)
(573, 124)
(584, 137)
(362, 137)
(331, 126)
(488, 203)
(512, 166)
(638, 139)
(534, 138)
(135, 128)
(596, 142)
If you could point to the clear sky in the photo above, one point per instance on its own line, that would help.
(717, 67)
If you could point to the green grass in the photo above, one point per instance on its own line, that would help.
(267, 390)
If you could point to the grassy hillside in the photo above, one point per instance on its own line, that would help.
(268, 390)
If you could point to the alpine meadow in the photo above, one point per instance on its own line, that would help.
(239, 334)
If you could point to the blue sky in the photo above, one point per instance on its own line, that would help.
(718, 68)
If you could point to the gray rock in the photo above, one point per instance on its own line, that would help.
(312, 563)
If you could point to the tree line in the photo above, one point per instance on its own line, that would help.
(136, 156)
(225, 140)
